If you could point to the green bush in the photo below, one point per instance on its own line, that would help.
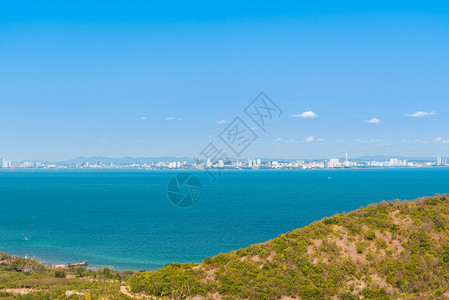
(370, 235)
(360, 247)
(60, 274)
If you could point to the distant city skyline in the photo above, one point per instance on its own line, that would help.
(209, 166)
(4, 162)
(163, 79)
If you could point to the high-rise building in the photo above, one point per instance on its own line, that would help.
(347, 163)
(221, 163)
(249, 162)
(439, 161)
(394, 162)
(333, 163)
(4, 163)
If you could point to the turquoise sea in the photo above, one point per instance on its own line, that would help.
(123, 219)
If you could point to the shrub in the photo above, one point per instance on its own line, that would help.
(370, 235)
(60, 274)
(360, 247)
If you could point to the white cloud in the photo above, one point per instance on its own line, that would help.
(306, 114)
(421, 114)
(376, 142)
(384, 144)
(419, 141)
(312, 139)
(291, 141)
(222, 122)
(373, 121)
(180, 119)
(169, 118)
(403, 141)
(143, 118)
(373, 141)
(440, 140)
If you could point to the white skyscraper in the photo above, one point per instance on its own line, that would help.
(347, 163)
(4, 163)
(221, 163)
(208, 163)
(333, 163)
(394, 162)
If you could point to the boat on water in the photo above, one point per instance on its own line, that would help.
(84, 263)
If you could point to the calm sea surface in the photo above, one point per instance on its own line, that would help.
(123, 219)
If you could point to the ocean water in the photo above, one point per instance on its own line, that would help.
(123, 219)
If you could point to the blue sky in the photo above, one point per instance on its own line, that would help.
(143, 78)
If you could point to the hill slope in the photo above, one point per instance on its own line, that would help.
(386, 250)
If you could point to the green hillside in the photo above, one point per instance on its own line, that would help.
(29, 279)
(389, 250)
